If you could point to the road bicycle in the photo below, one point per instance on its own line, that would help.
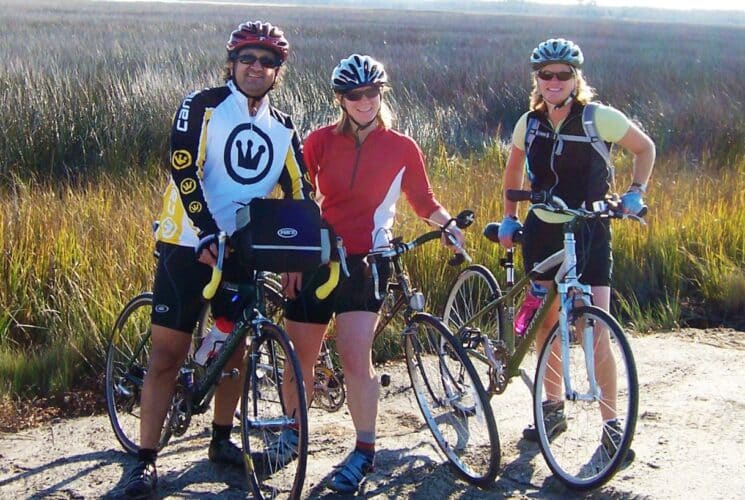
(447, 387)
(329, 392)
(586, 347)
(262, 414)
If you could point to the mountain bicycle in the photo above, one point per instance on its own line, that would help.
(585, 345)
(262, 411)
(448, 390)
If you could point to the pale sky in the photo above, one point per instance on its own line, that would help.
(664, 4)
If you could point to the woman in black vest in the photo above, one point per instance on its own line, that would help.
(550, 143)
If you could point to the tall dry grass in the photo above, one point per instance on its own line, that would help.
(86, 123)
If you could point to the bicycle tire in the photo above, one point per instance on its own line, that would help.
(263, 416)
(127, 358)
(577, 455)
(452, 399)
(473, 288)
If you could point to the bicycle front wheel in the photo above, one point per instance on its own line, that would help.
(591, 444)
(275, 444)
(452, 399)
(127, 359)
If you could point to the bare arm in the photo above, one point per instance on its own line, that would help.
(441, 216)
(641, 146)
(513, 178)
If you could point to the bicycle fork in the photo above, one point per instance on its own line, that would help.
(588, 346)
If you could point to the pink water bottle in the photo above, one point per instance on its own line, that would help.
(532, 301)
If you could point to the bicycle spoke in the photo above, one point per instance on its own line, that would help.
(598, 431)
(452, 399)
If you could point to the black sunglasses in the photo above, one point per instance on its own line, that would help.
(356, 95)
(562, 76)
(265, 61)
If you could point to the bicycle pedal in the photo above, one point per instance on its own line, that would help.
(234, 373)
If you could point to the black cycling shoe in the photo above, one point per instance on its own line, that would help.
(611, 440)
(553, 419)
(142, 480)
(223, 451)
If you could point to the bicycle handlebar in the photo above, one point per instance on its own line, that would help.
(323, 291)
(463, 220)
(608, 208)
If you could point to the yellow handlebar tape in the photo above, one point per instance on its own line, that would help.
(325, 290)
(210, 289)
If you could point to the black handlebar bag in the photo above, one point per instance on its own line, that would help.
(281, 235)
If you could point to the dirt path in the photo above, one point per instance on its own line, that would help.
(689, 442)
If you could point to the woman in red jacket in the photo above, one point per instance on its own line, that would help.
(359, 167)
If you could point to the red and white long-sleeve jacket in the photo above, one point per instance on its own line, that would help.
(358, 186)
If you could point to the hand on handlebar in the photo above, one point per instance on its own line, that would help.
(292, 283)
(207, 249)
(632, 203)
(507, 230)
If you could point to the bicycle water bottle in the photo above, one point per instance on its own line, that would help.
(213, 341)
(532, 301)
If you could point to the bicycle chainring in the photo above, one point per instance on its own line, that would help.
(179, 414)
(328, 390)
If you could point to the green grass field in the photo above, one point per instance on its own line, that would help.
(88, 91)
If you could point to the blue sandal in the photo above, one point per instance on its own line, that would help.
(351, 473)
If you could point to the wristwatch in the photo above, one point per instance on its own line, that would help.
(642, 188)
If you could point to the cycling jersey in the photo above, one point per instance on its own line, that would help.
(578, 174)
(572, 170)
(358, 186)
(222, 157)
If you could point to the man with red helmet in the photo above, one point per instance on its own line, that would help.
(228, 146)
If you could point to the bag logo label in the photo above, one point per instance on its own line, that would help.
(287, 232)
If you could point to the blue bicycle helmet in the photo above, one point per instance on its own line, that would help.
(357, 71)
(556, 50)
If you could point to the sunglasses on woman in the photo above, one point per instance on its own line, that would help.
(562, 76)
(265, 61)
(356, 95)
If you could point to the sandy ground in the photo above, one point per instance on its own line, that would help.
(689, 441)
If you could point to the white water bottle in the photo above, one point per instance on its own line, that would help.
(211, 344)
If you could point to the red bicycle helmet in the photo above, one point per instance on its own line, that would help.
(259, 34)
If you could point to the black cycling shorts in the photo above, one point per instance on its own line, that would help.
(355, 293)
(593, 247)
(179, 281)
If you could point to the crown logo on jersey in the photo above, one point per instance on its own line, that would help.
(246, 159)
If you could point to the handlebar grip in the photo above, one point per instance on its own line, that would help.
(325, 289)
(491, 232)
(210, 289)
(643, 211)
(518, 195)
(457, 259)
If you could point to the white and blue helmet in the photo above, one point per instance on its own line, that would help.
(357, 71)
(556, 50)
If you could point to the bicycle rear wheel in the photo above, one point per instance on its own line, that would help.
(590, 451)
(452, 399)
(127, 359)
(273, 469)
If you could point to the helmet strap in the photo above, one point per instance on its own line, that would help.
(359, 126)
(566, 101)
(256, 98)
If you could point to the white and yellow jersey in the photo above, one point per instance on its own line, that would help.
(222, 158)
